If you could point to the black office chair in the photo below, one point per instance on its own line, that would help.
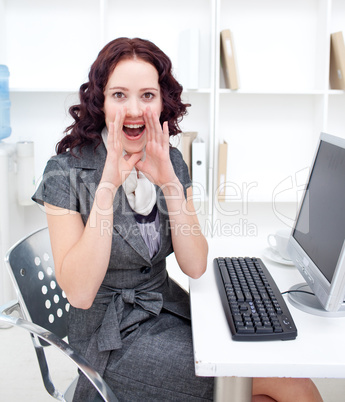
(43, 308)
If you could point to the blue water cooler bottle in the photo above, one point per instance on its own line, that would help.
(5, 104)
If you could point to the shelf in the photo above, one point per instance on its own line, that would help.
(336, 92)
(272, 92)
(277, 44)
(197, 91)
(44, 90)
(74, 90)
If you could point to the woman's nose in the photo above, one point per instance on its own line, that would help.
(134, 108)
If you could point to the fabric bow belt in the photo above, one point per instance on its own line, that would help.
(117, 318)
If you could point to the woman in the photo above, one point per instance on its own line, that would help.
(118, 200)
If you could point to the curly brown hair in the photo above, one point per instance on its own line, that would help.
(89, 119)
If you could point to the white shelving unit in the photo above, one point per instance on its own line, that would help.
(271, 124)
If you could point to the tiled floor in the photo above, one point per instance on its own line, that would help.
(20, 378)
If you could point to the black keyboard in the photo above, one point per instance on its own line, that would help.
(253, 304)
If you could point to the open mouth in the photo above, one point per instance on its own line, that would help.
(133, 130)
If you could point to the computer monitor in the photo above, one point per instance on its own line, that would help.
(317, 242)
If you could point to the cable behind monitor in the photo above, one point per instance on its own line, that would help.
(302, 297)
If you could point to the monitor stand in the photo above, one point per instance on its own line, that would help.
(309, 302)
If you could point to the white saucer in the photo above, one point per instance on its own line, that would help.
(274, 256)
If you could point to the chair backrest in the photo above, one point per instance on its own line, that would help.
(31, 267)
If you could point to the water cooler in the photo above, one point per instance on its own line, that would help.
(8, 216)
(17, 184)
(6, 178)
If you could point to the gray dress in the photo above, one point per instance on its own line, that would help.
(137, 333)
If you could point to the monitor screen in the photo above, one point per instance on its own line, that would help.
(317, 243)
(320, 228)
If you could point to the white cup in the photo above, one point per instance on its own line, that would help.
(279, 242)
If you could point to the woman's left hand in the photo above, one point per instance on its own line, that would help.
(190, 246)
(157, 165)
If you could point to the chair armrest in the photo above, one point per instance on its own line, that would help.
(10, 307)
(93, 376)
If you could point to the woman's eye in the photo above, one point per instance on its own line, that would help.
(148, 96)
(118, 95)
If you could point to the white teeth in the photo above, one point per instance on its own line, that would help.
(134, 125)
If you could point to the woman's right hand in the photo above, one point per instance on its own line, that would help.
(118, 166)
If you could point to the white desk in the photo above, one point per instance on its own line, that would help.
(317, 352)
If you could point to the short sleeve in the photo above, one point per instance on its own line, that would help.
(181, 168)
(56, 187)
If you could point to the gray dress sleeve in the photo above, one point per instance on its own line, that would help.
(181, 169)
(56, 187)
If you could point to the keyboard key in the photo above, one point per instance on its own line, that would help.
(240, 296)
(245, 330)
(264, 330)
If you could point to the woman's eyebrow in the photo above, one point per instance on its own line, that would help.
(126, 89)
(122, 88)
(150, 89)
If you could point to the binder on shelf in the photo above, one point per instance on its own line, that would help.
(187, 139)
(199, 168)
(337, 61)
(188, 61)
(222, 167)
(228, 59)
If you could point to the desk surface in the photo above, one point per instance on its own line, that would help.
(318, 351)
